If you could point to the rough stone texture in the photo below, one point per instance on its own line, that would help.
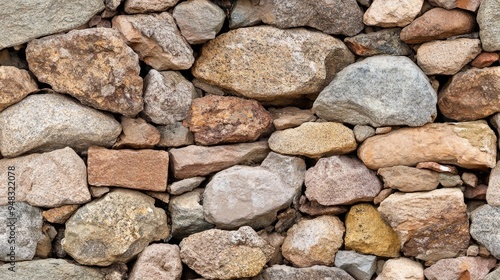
(45, 122)
(493, 191)
(363, 132)
(158, 261)
(225, 119)
(431, 225)
(402, 268)
(468, 144)
(45, 180)
(199, 20)
(367, 233)
(470, 5)
(175, 135)
(434, 166)
(437, 24)
(385, 41)
(142, 169)
(256, 192)
(26, 222)
(409, 179)
(313, 242)
(220, 254)
(487, 17)
(485, 59)
(15, 84)
(403, 92)
(114, 228)
(314, 140)
(22, 21)
(494, 275)
(331, 17)
(392, 13)
(192, 161)
(485, 228)
(350, 183)
(93, 65)
(479, 192)
(447, 57)
(460, 268)
(315, 209)
(472, 94)
(98, 191)
(470, 179)
(147, 6)
(297, 62)
(60, 214)
(292, 273)
(183, 186)
(156, 40)
(186, 213)
(360, 266)
(243, 14)
(137, 134)
(44, 246)
(290, 117)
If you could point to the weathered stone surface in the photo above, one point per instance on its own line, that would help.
(183, 186)
(494, 275)
(114, 228)
(199, 20)
(93, 65)
(485, 59)
(187, 217)
(403, 92)
(60, 214)
(437, 24)
(434, 166)
(158, 261)
(313, 242)
(331, 17)
(45, 122)
(350, 183)
(402, 268)
(22, 224)
(485, 228)
(290, 117)
(431, 225)
(45, 180)
(147, 6)
(274, 239)
(314, 140)
(175, 135)
(392, 13)
(385, 41)
(487, 17)
(493, 191)
(156, 40)
(192, 161)
(306, 273)
(470, 179)
(367, 233)
(98, 191)
(409, 179)
(470, 5)
(303, 62)
(44, 246)
(225, 119)
(220, 254)
(363, 132)
(256, 192)
(479, 192)
(292, 170)
(313, 208)
(467, 144)
(460, 268)
(15, 84)
(472, 94)
(22, 21)
(447, 57)
(142, 169)
(137, 134)
(244, 13)
(360, 266)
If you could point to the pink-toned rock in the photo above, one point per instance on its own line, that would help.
(192, 161)
(15, 84)
(383, 194)
(408, 179)
(470, 179)
(147, 6)
(60, 214)
(392, 13)
(137, 134)
(158, 261)
(438, 23)
(460, 268)
(313, 208)
(350, 182)
(479, 192)
(434, 166)
(142, 170)
(175, 135)
(470, 5)
(466, 144)
(485, 59)
(289, 117)
(402, 268)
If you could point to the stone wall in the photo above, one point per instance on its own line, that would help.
(271, 139)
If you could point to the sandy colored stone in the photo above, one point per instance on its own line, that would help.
(142, 169)
(314, 241)
(305, 273)
(60, 214)
(44, 247)
(314, 140)
(470, 5)
(438, 23)
(485, 59)
(137, 134)
(385, 41)
(493, 191)
(409, 179)
(470, 179)
(156, 40)
(447, 57)
(367, 233)
(192, 161)
(290, 117)
(186, 213)
(431, 225)
(147, 6)
(383, 194)
(225, 119)
(467, 144)
(220, 254)
(199, 20)
(487, 17)
(175, 135)
(267, 63)
(93, 65)
(158, 261)
(471, 95)
(441, 168)
(15, 84)
(392, 13)
(460, 268)
(401, 268)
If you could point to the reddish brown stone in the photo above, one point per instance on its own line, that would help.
(484, 59)
(143, 170)
(224, 119)
(315, 209)
(60, 214)
(478, 192)
(137, 134)
(437, 167)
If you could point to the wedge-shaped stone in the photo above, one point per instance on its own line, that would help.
(15, 84)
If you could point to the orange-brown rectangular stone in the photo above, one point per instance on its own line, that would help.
(141, 169)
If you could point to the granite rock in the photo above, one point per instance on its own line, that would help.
(137, 134)
(158, 261)
(185, 185)
(147, 6)
(470, 5)
(243, 14)
(15, 84)
(402, 268)
(392, 13)
(187, 215)
(363, 132)
(175, 135)
(290, 117)
(385, 41)
(460, 268)
(292, 273)
(360, 266)
(485, 228)
(487, 17)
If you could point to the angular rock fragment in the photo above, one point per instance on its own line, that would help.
(137, 134)
(385, 41)
(158, 261)
(15, 84)
(461, 267)
(360, 266)
(60, 214)
(408, 179)
(401, 268)
(244, 13)
(470, 5)
(306, 273)
(187, 216)
(147, 6)
(185, 185)
(175, 135)
(290, 117)
(392, 13)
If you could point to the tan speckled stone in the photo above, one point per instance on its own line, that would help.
(15, 84)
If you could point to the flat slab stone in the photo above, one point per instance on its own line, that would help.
(306, 273)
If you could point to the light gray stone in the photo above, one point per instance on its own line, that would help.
(244, 13)
(45, 122)
(403, 93)
(158, 261)
(359, 266)
(363, 132)
(488, 16)
(54, 269)
(494, 275)
(385, 41)
(292, 170)
(401, 268)
(276, 272)
(493, 190)
(175, 135)
(147, 6)
(183, 186)
(186, 213)
(485, 228)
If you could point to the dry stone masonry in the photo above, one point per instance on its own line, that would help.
(250, 139)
